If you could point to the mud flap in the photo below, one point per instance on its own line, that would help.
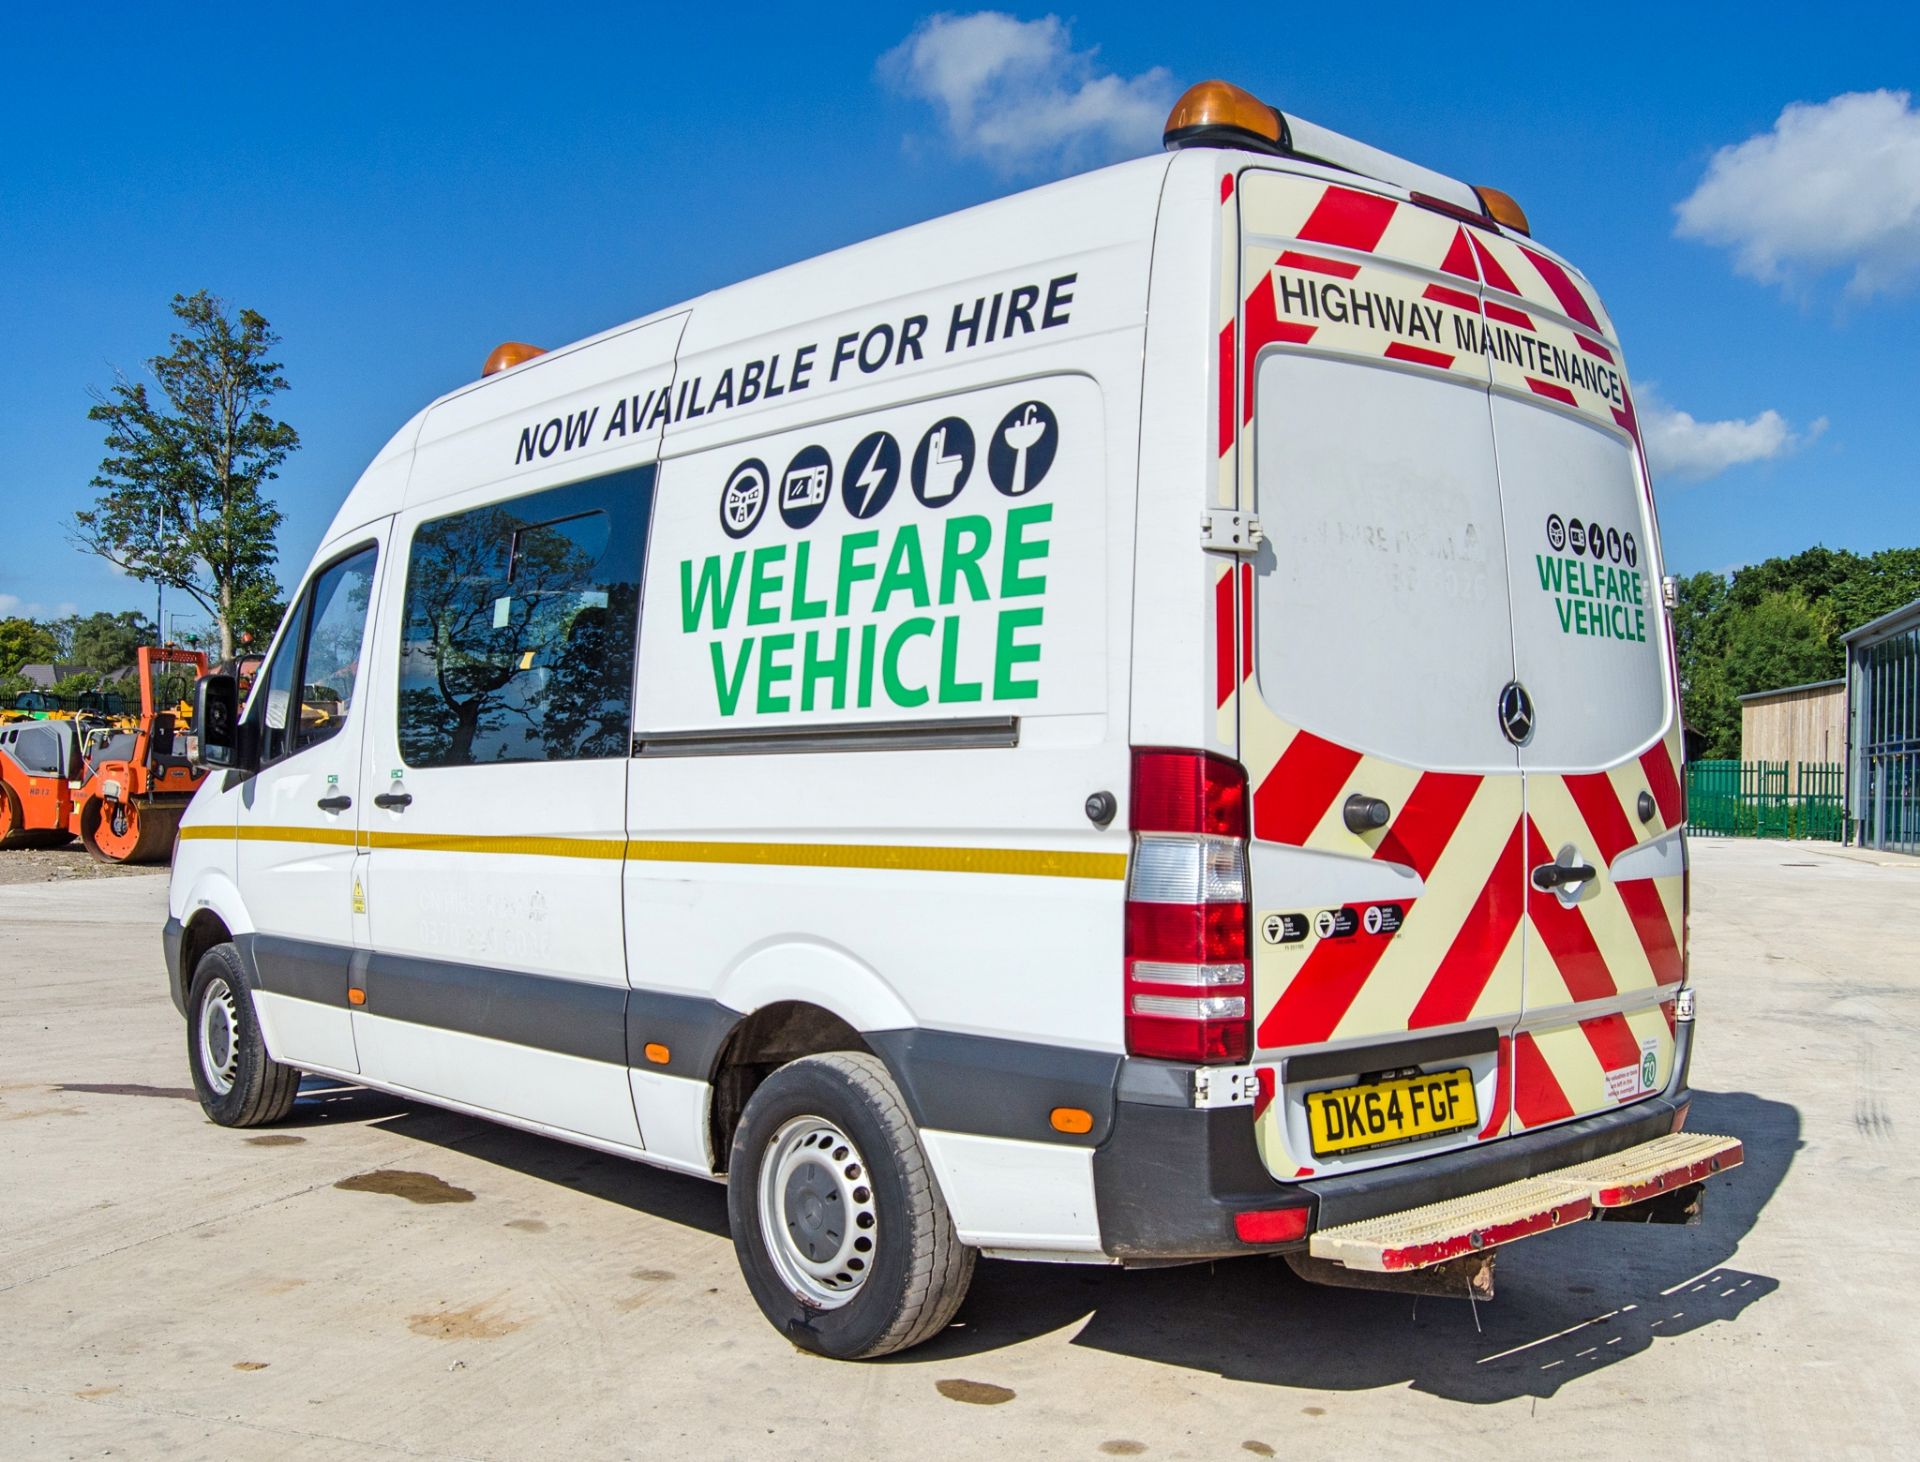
(1469, 1277)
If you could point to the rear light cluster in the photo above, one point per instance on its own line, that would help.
(1189, 988)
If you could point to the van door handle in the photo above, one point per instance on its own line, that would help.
(339, 802)
(1549, 876)
(394, 801)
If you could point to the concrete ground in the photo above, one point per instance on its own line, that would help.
(378, 1278)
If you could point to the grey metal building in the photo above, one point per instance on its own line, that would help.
(1883, 730)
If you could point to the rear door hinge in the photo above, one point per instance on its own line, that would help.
(1225, 1086)
(1226, 530)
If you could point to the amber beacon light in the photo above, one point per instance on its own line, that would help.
(1220, 114)
(508, 355)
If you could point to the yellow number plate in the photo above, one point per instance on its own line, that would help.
(1351, 1117)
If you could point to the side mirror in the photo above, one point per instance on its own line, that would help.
(217, 730)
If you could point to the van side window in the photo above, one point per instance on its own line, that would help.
(320, 654)
(520, 628)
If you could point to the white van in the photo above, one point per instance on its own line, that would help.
(1134, 723)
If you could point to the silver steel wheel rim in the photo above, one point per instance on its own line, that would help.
(220, 1037)
(817, 1212)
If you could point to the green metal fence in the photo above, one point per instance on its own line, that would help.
(1766, 799)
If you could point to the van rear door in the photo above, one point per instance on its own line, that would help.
(1386, 864)
(1602, 953)
(1451, 703)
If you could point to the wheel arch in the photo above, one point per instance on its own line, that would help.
(760, 1043)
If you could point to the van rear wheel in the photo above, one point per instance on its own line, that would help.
(838, 1223)
(238, 1083)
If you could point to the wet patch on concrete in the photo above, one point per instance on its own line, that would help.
(526, 1225)
(1121, 1447)
(398, 1183)
(275, 1139)
(974, 1393)
(94, 1393)
(123, 1088)
(652, 1276)
(1259, 1449)
(472, 1323)
(251, 1365)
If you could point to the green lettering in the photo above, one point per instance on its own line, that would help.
(813, 669)
(898, 691)
(762, 582)
(952, 690)
(868, 635)
(852, 571)
(803, 607)
(1007, 654)
(693, 602)
(1017, 550)
(1551, 572)
(726, 688)
(956, 561)
(1564, 607)
(906, 570)
(773, 672)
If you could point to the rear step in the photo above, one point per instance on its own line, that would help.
(1474, 1222)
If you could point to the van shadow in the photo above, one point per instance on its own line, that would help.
(1567, 1305)
(674, 1197)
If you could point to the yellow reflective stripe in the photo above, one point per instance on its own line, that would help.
(339, 837)
(1016, 862)
(1020, 861)
(613, 848)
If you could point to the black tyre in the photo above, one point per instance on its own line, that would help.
(239, 1084)
(840, 1228)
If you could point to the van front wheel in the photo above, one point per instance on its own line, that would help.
(839, 1225)
(238, 1083)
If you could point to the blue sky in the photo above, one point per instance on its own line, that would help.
(397, 188)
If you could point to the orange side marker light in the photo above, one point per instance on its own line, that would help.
(1072, 1120)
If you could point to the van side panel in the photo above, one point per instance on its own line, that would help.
(972, 568)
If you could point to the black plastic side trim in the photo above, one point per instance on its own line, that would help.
(691, 1027)
(568, 1017)
(172, 936)
(302, 968)
(993, 1087)
(1391, 1055)
(957, 732)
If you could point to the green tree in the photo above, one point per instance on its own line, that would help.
(25, 642)
(182, 500)
(104, 642)
(258, 608)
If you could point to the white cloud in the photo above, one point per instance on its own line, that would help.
(1834, 185)
(1679, 445)
(13, 606)
(1017, 93)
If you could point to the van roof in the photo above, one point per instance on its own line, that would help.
(1106, 206)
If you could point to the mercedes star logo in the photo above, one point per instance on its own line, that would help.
(1516, 713)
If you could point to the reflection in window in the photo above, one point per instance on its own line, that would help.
(337, 624)
(320, 654)
(520, 627)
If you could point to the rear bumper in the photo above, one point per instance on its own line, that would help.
(1169, 1179)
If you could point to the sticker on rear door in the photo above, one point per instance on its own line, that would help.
(1593, 579)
